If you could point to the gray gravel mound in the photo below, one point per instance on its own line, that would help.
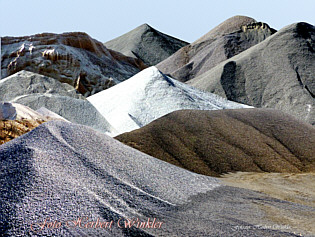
(74, 110)
(25, 82)
(277, 73)
(37, 91)
(62, 172)
(146, 44)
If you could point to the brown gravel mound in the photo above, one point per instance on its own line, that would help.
(10, 129)
(218, 142)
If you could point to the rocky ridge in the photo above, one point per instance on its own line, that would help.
(74, 58)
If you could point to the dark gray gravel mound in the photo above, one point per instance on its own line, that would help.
(62, 172)
(147, 44)
(277, 73)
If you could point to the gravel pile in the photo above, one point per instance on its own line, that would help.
(147, 44)
(62, 171)
(230, 38)
(150, 95)
(223, 141)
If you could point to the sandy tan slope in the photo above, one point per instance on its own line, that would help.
(222, 141)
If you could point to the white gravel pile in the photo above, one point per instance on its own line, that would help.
(150, 95)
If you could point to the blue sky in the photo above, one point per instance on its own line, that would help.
(105, 20)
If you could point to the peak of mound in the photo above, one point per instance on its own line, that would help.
(222, 141)
(147, 44)
(230, 25)
(144, 27)
(149, 95)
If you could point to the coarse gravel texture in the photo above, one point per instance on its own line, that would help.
(62, 171)
(276, 73)
(147, 44)
(228, 26)
(149, 95)
(49, 114)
